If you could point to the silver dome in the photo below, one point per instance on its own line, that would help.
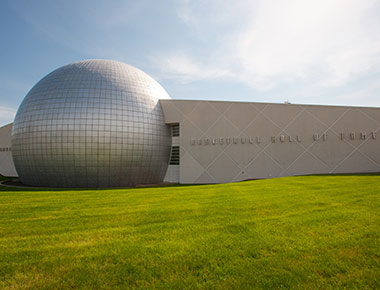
(93, 123)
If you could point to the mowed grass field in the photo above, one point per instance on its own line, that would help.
(308, 232)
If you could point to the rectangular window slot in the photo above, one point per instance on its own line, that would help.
(174, 156)
(175, 130)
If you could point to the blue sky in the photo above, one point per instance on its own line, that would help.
(304, 51)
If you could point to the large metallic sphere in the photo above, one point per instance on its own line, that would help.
(93, 123)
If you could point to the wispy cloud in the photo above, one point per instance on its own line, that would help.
(307, 51)
(270, 44)
(183, 68)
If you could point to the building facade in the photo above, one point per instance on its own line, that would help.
(217, 142)
(234, 141)
(7, 167)
(102, 123)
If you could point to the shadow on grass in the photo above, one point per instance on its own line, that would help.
(14, 184)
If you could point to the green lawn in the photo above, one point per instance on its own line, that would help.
(309, 232)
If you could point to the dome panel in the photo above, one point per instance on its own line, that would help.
(93, 123)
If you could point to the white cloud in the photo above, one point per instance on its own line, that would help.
(185, 69)
(301, 49)
(266, 44)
